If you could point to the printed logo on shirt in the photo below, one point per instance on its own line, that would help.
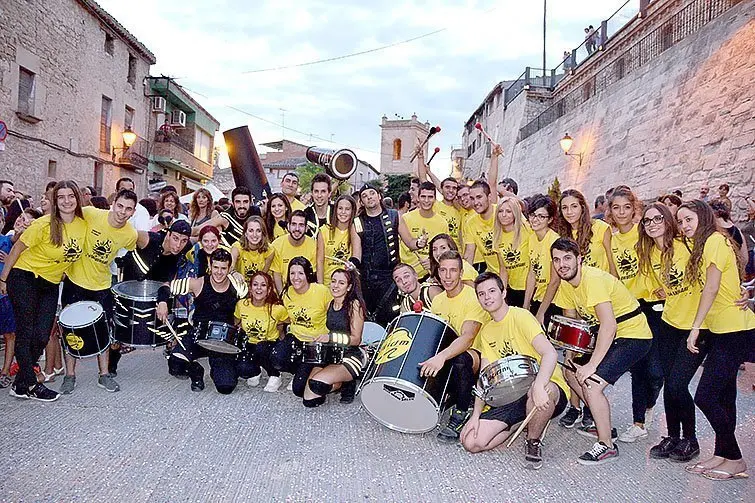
(585, 315)
(254, 329)
(503, 348)
(537, 270)
(588, 260)
(512, 257)
(340, 253)
(102, 251)
(626, 263)
(487, 242)
(71, 250)
(301, 318)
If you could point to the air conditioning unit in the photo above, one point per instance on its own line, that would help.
(158, 104)
(178, 118)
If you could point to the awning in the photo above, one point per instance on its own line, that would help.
(214, 191)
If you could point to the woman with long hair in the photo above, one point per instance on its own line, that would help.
(541, 215)
(440, 244)
(672, 202)
(201, 208)
(252, 252)
(208, 241)
(338, 240)
(261, 317)
(623, 210)
(345, 322)
(511, 240)
(33, 270)
(592, 235)
(277, 215)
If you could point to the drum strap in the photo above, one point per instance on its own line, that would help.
(628, 316)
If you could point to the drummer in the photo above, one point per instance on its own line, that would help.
(413, 295)
(458, 305)
(624, 338)
(215, 298)
(514, 331)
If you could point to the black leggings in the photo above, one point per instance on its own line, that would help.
(462, 380)
(35, 301)
(717, 391)
(647, 374)
(258, 356)
(679, 366)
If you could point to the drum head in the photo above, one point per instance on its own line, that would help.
(137, 290)
(372, 333)
(80, 314)
(399, 405)
(506, 393)
(219, 346)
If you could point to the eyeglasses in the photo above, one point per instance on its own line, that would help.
(657, 220)
(538, 216)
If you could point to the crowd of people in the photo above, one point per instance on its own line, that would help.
(660, 283)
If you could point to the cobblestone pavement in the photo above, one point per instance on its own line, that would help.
(156, 441)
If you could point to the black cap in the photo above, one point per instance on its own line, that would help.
(367, 186)
(181, 227)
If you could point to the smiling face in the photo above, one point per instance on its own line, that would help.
(566, 264)
(480, 200)
(622, 211)
(489, 295)
(297, 227)
(219, 270)
(688, 221)
(278, 209)
(170, 203)
(426, 199)
(209, 242)
(449, 271)
(66, 201)
(254, 233)
(539, 219)
(463, 196)
(654, 223)
(449, 189)
(320, 194)
(406, 279)
(440, 246)
(121, 210)
(339, 285)
(260, 289)
(344, 212)
(241, 203)
(571, 209)
(298, 278)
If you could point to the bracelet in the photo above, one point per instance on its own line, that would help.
(695, 328)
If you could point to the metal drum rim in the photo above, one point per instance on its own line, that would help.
(88, 324)
(126, 296)
(420, 391)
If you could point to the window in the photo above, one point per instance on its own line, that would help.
(106, 117)
(131, 78)
(52, 169)
(202, 145)
(109, 44)
(397, 150)
(25, 91)
(128, 118)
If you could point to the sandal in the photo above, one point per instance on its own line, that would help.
(726, 475)
(696, 468)
(49, 377)
(5, 380)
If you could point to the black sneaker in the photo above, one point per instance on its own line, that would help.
(662, 450)
(592, 431)
(450, 432)
(197, 385)
(570, 417)
(18, 393)
(599, 454)
(43, 394)
(348, 392)
(686, 450)
(533, 454)
(587, 419)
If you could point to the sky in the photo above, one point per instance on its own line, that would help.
(214, 50)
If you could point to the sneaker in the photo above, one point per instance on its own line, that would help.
(533, 454)
(197, 385)
(17, 393)
(662, 450)
(107, 383)
(633, 434)
(273, 384)
(253, 381)
(570, 417)
(599, 454)
(686, 450)
(587, 419)
(592, 432)
(41, 393)
(5, 380)
(348, 392)
(450, 432)
(69, 383)
(648, 418)
(290, 386)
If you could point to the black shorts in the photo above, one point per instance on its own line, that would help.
(621, 356)
(355, 361)
(515, 297)
(516, 412)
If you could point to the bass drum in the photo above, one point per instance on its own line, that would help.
(393, 392)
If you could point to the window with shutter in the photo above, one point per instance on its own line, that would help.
(25, 91)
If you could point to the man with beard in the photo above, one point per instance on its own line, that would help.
(447, 208)
(318, 213)
(231, 222)
(478, 228)
(289, 187)
(413, 295)
(294, 244)
(7, 195)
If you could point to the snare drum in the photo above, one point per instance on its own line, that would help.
(217, 336)
(136, 322)
(84, 329)
(574, 335)
(507, 380)
(321, 353)
(393, 392)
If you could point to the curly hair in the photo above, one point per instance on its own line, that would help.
(626, 193)
(271, 298)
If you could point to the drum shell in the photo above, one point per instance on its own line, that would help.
(135, 317)
(507, 380)
(87, 339)
(217, 336)
(322, 353)
(572, 335)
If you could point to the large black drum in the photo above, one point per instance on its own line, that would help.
(136, 322)
(84, 329)
(393, 392)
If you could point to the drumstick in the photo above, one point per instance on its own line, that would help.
(479, 127)
(521, 426)
(173, 331)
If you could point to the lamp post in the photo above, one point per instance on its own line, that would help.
(566, 144)
(129, 137)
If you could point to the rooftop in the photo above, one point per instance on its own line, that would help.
(118, 28)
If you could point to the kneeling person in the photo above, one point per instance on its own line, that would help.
(514, 331)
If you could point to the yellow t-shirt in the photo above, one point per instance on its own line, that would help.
(453, 217)
(724, 316)
(251, 261)
(337, 245)
(297, 205)
(480, 232)
(278, 231)
(469, 273)
(596, 252)
(513, 335)
(516, 260)
(627, 265)
(465, 215)
(285, 251)
(682, 298)
(308, 312)
(92, 270)
(596, 287)
(48, 261)
(463, 307)
(417, 225)
(260, 323)
(540, 261)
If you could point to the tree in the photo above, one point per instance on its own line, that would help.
(306, 172)
(397, 185)
(554, 191)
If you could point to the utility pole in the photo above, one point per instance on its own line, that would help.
(283, 122)
(545, 9)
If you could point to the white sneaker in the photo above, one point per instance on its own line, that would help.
(632, 434)
(253, 381)
(273, 384)
(648, 418)
(290, 386)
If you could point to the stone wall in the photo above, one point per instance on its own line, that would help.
(408, 131)
(65, 44)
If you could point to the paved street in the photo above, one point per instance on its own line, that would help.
(155, 441)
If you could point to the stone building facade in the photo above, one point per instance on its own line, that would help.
(71, 81)
(398, 139)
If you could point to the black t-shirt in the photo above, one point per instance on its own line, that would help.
(150, 262)
(210, 305)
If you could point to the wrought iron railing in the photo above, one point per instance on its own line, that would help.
(136, 155)
(175, 139)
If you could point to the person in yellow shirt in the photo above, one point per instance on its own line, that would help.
(511, 236)
(439, 245)
(261, 317)
(294, 244)
(623, 339)
(277, 215)
(252, 252)
(289, 187)
(448, 207)
(466, 210)
(458, 306)
(542, 211)
(413, 295)
(337, 241)
(591, 234)
(514, 331)
(33, 269)
(478, 228)
(422, 221)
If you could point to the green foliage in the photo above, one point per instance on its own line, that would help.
(306, 173)
(554, 191)
(397, 185)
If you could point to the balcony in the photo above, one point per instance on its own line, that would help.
(177, 152)
(135, 156)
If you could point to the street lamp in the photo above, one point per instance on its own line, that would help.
(129, 137)
(566, 144)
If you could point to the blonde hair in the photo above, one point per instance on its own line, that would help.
(515, 206)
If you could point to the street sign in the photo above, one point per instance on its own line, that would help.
(3, 131)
